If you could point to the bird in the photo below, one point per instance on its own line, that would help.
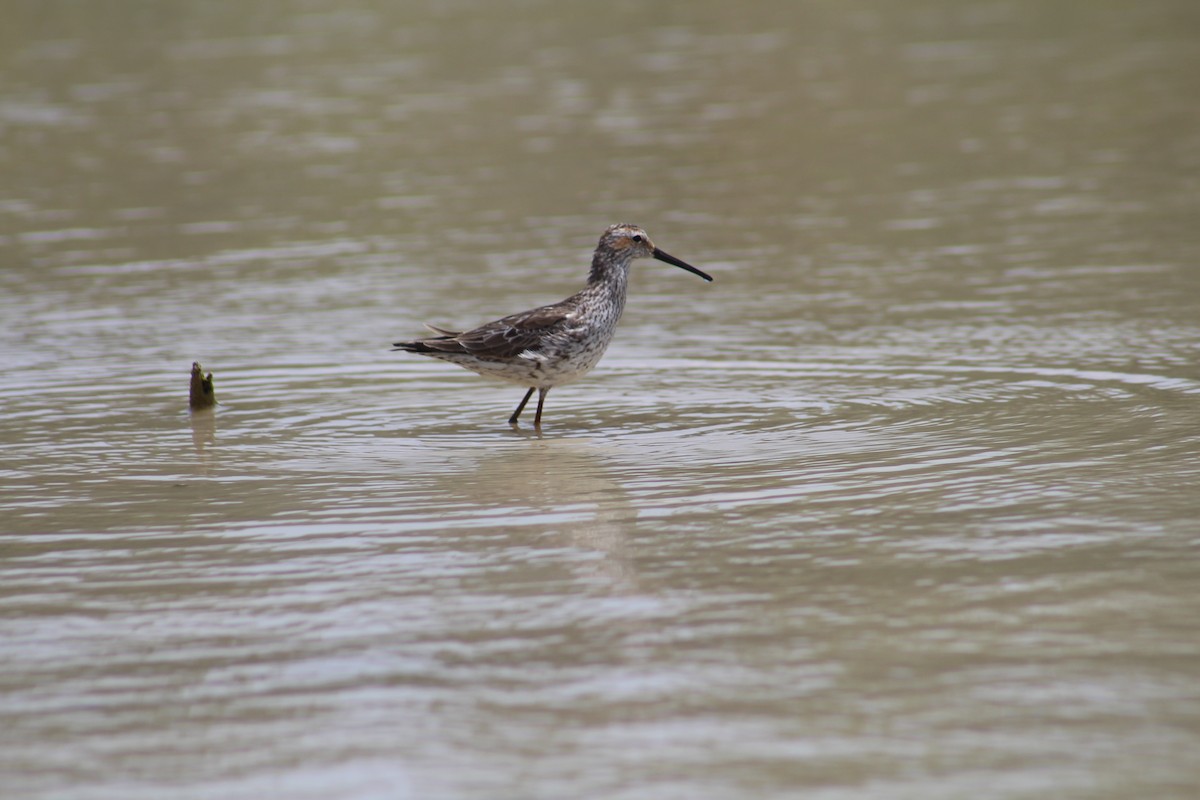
(558, 343)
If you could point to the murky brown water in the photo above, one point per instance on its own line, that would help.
(904, 505)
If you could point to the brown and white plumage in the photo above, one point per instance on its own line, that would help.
(558, 343)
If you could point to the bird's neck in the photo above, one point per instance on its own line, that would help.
(609, 272)
(607, 284)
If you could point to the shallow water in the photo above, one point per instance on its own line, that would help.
(904, 504)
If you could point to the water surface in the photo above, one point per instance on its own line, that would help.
(904, 504)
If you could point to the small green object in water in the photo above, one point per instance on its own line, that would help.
(201, 393)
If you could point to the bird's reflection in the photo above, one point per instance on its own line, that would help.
(568, 486)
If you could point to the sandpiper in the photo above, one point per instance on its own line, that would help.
(555, 344)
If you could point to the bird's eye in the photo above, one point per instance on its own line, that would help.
(637, 237)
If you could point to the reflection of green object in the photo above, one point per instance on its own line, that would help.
(201, 393)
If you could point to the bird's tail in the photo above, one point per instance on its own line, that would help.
(410, 347)
(427, 345)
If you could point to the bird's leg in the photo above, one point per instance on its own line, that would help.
(537, 418)
(513, 419)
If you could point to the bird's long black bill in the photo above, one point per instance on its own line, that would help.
(670, 259)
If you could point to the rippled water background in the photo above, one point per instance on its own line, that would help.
(904, 505)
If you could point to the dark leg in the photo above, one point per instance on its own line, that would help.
(537, 418)
(513, 419)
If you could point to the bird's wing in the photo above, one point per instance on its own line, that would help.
(513, 335)
(503, 339)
